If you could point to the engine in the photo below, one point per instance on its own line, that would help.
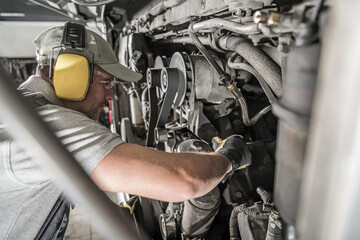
(217, 68)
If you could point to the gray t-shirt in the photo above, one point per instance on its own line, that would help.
(27, 193)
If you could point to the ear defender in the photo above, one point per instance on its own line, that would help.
(71, 77)
(72, 72)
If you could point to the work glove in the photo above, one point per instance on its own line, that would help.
(130, 204)
(235, 149)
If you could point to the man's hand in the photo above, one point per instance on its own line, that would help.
(235, 149)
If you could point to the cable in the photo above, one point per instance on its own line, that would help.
(317, 10)
(204, 51)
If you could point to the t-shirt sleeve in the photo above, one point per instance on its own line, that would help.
(87, 140)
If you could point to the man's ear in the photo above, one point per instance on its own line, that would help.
(43, 72)
(50, 81)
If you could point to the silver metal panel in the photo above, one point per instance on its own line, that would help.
(330, 193)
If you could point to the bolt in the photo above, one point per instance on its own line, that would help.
(260, 17)
(196, 146)
(164, 80)
(238, 194)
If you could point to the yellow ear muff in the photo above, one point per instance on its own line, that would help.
(71, 77)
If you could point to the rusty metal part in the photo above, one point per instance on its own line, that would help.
(273, 19)
(260, 17)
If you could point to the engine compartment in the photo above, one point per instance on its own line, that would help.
(218, 68)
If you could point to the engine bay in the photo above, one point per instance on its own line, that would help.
(215, 68)
(218, 68)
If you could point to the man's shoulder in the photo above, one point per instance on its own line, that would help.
(56, 109)
(39, 91)
(59, 115)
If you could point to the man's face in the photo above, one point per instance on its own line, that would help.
(98, 94)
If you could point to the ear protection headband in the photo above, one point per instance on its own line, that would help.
(73, 70)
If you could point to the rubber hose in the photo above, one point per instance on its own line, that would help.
(233, 226)
(262, 63)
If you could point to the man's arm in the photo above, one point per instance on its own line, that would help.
(171, 177)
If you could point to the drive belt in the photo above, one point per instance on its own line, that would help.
(169, 85)
(153, 78)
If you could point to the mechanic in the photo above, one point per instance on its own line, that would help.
(28, 196)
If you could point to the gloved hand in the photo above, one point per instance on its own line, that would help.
(235, 149)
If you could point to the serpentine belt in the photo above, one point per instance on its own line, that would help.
(169, 84)
(153, 80)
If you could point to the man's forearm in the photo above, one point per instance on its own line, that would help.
(155, 174)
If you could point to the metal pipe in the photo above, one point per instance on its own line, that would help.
(44, 4)
(157, 10)
(185, 40)
(228, 25)
(261, 62)
(165, 4)
(92, 3)
(173, 3)
(169, 34)
(43, 146)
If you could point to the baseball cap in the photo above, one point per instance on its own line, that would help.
(104, 56)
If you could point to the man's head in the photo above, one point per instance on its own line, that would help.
(100, 91)
(95, 53)
(95, 46)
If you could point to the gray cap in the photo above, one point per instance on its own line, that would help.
(104, 56)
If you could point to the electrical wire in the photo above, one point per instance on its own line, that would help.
(317, 10)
